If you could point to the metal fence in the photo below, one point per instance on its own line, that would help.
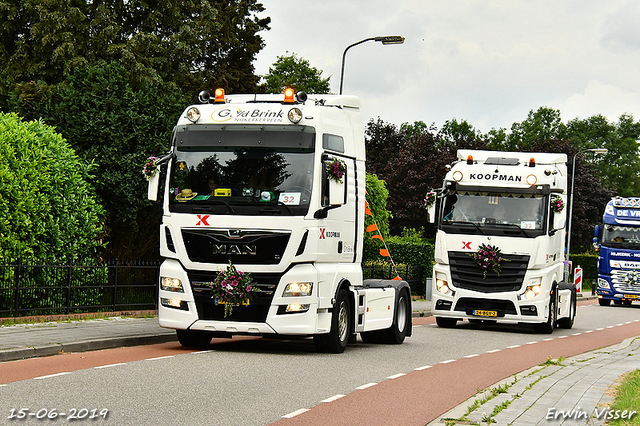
(32, 288)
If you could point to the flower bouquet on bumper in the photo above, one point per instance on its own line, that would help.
(232, 288)
(488, 258)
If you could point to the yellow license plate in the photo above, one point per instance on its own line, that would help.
(481, 313)
(222, 302)
(630, 296)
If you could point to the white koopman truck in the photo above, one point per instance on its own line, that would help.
(247, 183)
(500, 242)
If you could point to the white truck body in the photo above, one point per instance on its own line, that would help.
(265, 203)
(504, 201)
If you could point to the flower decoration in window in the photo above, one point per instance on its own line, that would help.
(151, 168)
(336, 169)
(557, 204)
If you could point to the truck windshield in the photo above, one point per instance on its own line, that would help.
(495, 213)
(621, 236)
(242, 171)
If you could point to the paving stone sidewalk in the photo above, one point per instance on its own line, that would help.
(569, 391)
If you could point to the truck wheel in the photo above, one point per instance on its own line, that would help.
(446, 322)
(604, 302)
(547, 327)
(193, 339)
(568, 322)
(336, 340)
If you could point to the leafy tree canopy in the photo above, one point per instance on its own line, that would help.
(117, 127)
(295, 72)
(49, 210)
(194, 44)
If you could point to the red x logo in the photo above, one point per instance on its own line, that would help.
(322, 233)
(202, 220)
(466, 246)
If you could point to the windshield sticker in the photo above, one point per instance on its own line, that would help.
(290, 198)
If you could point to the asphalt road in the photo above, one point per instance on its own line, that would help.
(257, 381)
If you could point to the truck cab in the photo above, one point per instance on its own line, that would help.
(500, 241)
(274, 187)
(618, 239)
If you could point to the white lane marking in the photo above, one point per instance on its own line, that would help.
(109, 365)
(493, 351)
(448, 361)
(531, 343)
(471, 356)
(295, 413)
(368, 385)
(160, 357)
(395, 376)
(424, 367)
(514, 346)
(333, 398)
(51, 375)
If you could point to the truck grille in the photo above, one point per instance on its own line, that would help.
(465, 274)
(238, 246)
(256, 311)
(625, 281)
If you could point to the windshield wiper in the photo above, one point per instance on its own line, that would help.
(462, 222)
(280, 204)
(512, 225)
(209, 209)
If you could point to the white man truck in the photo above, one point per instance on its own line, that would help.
(500, 241)
(619, 260)
(249, 182)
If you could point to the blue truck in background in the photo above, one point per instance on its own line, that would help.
(619, 261)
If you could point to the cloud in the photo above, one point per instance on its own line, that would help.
(489, 62)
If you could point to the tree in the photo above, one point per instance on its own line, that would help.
(376, 197)
(49, 210)
(195, 45)
(541, 125)
(116, 126)
(295, 72)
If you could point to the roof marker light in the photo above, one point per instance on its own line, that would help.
(532, 162)
(289, 95)
(470, 159)
(219, 96)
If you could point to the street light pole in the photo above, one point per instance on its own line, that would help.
(383, 39)
(573, 181)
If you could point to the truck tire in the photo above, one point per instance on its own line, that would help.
(193, 339)
(337, 339)
(446, 322)
(399, 328)
(604, 302)
(548, 326)
(568, 321)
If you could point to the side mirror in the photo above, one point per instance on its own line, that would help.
(152, 191)
(597, 233)
(336, 192)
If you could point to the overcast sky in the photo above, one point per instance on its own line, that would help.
(487, 62)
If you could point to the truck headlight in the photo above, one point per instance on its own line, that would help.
(174, 303)
(297, 289)
(602, 283)
(442, 286)
(532, 291)
(171, 284)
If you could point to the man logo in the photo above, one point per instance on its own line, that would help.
(237, 249)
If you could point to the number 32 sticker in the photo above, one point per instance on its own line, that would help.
(290, 198)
